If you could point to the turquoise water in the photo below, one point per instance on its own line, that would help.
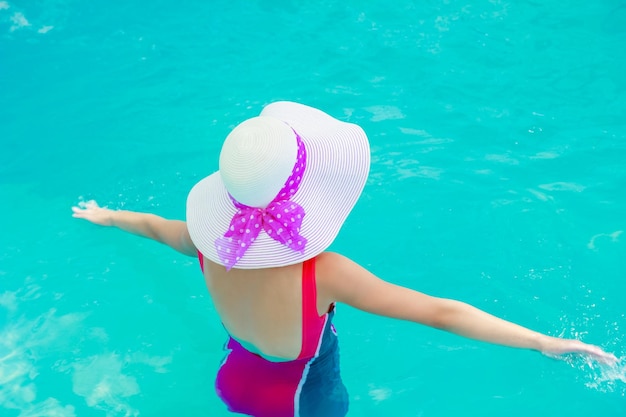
(497, 127)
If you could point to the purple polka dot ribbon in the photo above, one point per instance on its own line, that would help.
(281, 219)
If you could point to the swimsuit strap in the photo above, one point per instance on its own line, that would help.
(201, 259)
(312, 323)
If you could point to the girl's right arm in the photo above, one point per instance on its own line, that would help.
(340, 279)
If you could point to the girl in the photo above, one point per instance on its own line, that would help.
(260, 227)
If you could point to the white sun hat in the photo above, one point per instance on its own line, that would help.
(286, 183)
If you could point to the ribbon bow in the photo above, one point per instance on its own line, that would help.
(281, 219)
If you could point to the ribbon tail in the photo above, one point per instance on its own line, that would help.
(226, 250)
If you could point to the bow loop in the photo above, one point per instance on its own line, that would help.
(282, 222)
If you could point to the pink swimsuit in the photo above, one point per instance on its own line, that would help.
(310, 385)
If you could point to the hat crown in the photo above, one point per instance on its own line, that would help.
(256, 159)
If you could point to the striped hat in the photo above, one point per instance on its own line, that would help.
(286, 183)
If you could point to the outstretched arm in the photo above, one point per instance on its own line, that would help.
(173, 233)
(340, 279)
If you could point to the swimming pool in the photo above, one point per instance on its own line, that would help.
(498, 127)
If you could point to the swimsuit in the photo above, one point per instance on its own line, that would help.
(308, 386)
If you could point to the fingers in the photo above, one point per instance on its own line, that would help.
(78, 212)
(602, 356)
(598, 354)
(84, 207)
(84, 210)
(595, 353)
(92, 212)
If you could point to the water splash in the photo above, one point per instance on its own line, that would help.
(19, 21)
(22, 343)
(379, 394)
(599, 376)
(606, 378)
(613, 236)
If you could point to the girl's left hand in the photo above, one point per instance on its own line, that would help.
(92, 212)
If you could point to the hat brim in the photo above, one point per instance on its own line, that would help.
(338, 160)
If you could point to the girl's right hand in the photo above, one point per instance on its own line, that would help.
(554, 347)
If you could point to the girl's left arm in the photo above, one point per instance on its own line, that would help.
(172, 233)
